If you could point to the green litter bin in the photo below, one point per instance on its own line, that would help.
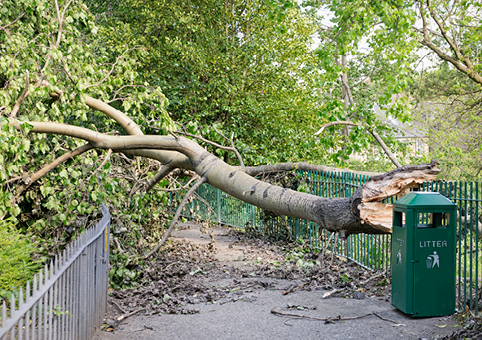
(423, 254)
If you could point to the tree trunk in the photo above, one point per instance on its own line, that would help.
(359, 213)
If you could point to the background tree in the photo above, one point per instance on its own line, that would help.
(449, 93)
(361, 70)
(387, 42)
(228, 64)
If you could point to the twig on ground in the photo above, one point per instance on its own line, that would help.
(119, 307)
(125, 316)
(331, 292)
(384, 318)
(372, 278)
(327, 320)
(292, 288)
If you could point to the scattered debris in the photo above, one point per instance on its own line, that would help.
(183, 274)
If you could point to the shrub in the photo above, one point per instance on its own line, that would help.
(16, 265)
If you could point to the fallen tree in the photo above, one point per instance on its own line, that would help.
(52, 82)
(360, 213)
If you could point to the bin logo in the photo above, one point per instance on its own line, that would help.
(433, 260)
(399, 257)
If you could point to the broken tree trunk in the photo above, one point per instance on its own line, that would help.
(360, 213)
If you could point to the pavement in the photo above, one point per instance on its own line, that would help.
(252, 318)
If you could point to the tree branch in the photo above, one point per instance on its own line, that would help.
(163, 172)
(109, 153)
(240, 159)
(13, 22)
(230, 148)
(452, 45)
(384, 147)
(391, 156)
(112, 68)
(24, 94)
(176, 217)
(172, 159)
(303, 166)
(458, 65)
(372, 132)
(335, 123)
(46, 169)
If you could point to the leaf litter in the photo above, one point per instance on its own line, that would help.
(184, 274)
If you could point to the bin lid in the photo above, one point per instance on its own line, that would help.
(425, 200)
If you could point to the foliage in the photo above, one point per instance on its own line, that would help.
(386, 44)
(16, 258)
(450, 111)
(57, 42)
(227, 64)
(366, 62)
(125, 271)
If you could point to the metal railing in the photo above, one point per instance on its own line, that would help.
(68, 298)
(370, 251)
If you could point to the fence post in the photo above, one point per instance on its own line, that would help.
(346, 190)
(253, 216)
(218, 204)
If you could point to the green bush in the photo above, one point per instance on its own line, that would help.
(16, 265)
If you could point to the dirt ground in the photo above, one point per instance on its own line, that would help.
(221, 284)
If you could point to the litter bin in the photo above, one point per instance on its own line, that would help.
(423, 254)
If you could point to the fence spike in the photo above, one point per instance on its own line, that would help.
(4, 313)
(51, 270)
(46, 274)
(39, 281)
(20, 297)
(12, 305)
(28, 292)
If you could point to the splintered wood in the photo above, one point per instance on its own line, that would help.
(395, 183)
(377, 214)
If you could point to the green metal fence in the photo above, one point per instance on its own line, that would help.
(370, 251)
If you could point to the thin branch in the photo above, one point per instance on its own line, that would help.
(109, 153)
(46, 169)
(163, 172)
(125, 316)
(176, 217)
(369, 128)
(67, 72)
(230, 148)
(362, 79)
(173, 134)
(338, 318)
(385, 147)
(452, 45)
(455, 62)
(335, 123)
(183, 187)
(240, 159)
(24, 94)
(14, 179)
(60, 19)
(112, 68)
(10, 24)
(377, 315)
